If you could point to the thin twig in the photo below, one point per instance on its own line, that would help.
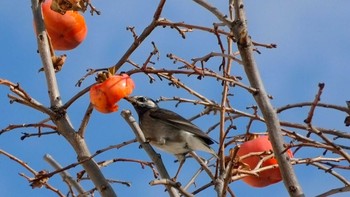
(203, 188)
(35, 173)
(193, 179)
(23, 97)
(98, 152)
(171, 183)
(308, 120)
(203, 164)
(142, 163)
(65, 175)
(304, 104)
(146, 32)
(335, 191)
(22, 163)
(85, 120)
(333, 172)
(76, 97)
(215, 12)
(336, 149)
(34, 125)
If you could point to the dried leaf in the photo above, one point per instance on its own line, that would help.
(40, 179)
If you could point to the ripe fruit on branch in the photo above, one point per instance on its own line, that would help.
(261, 144)
(105, 95)
(66, 31)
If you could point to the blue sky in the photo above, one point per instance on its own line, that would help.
(312, 37)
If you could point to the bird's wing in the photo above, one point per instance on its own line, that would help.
(175, 120)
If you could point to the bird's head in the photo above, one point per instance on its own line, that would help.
(141, 103)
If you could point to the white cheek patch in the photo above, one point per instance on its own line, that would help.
(151, 104)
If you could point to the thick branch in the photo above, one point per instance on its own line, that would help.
(244, 44)
(44, 50)
(149, 150)
(60, 118)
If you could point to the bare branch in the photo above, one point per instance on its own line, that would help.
(215, 11)
(171, 183)
(308, 120)
(203, 164)
(155, 157)
(39, 125)
(22, 163)
(37, 174)
(85, 120)
(304, 104)
(244, 45)
(65, 175)
(146, 32)
(23, 97)
(60, 118)
(335, 191)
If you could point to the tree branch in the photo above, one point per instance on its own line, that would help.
(147, 31)
(244, 45)
(155, 157)
(60, 118)
(65, 175)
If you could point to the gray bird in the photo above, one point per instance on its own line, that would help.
(168, 130)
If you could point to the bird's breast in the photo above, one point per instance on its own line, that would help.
(164, 136)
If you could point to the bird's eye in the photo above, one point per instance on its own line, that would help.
(141, 99)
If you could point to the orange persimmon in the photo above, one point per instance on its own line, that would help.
(266, 177)
(104, 96)
(66, 31)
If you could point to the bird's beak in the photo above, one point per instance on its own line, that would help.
(130, 99)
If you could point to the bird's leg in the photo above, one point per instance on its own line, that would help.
(147, 141)
(181, 158)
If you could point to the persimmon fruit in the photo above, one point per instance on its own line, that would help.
(66, 31)
(104, 96)
(266, 177)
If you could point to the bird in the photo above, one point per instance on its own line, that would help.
(168, 131)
